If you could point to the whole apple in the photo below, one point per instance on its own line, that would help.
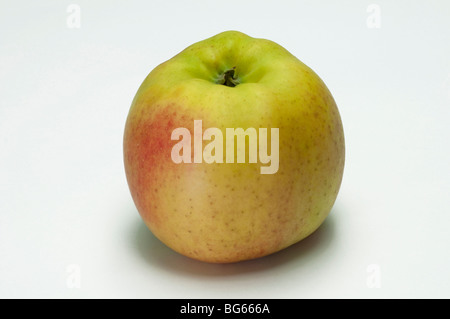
(233, 149)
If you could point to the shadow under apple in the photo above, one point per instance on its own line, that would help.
(157, 254)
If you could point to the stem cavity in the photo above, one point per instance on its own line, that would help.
(227, 78)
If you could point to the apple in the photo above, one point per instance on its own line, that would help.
(233, 149)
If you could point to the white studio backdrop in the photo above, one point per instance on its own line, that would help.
(68, 73)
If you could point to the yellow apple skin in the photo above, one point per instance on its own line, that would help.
(224, 212)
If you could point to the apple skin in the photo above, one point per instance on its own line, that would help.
(223, 213)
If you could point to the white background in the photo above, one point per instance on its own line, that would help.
(65, 209)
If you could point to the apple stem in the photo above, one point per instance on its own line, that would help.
(227, 78)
